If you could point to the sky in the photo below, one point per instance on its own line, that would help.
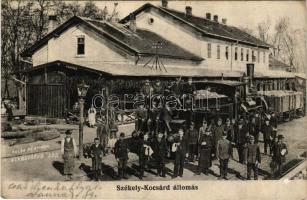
(238, 13)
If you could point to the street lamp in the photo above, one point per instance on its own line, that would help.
(82, 90)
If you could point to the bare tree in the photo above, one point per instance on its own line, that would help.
(263, 29)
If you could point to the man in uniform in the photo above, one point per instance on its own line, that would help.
(69, 152)
(97, 151)
(267, 135)
(223, 153)
(121, 155)
(160, 152)
(144, 154)
(181, 152)
(192, 135)
(218, 133)
(253, 158)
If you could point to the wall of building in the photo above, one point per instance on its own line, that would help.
(193, 42)
(97, 50)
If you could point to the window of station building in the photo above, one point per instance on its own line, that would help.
(247, 54)
(242, 54)
(226, 52)
(209, 50)
(80, 45)
(258, 56)
(236, 53)
(253, 56)
(218, 52)
(264, 57)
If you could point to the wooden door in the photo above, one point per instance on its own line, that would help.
(46, 100)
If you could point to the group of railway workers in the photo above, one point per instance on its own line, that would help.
(155, 141)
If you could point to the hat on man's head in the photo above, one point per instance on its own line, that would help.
(68, 132)
(251, 137)
(122, 134)
(147, 81)
(280, 137)
(219, 119)
(160, 135)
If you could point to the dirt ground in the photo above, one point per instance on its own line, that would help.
(48, 165)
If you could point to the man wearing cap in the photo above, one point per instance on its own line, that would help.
(218, 132)
(205, 148)
(69, 152)
(223, 153)
(121, 155)
(145, 152)
(192, 135)
(181, 152)
(280, 154)
(97, 151)
(253, 158)
(267, 135)
(160, 149)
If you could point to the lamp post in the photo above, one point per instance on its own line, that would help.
(82, 90)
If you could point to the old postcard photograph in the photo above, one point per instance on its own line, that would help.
(153, 99)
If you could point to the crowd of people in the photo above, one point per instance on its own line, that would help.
(200, 145)
(156, 140)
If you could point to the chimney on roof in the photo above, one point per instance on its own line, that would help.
(164, 3)
(208, 16)
(188, 10)
(132, 22)
(216, 18)
(52, 20)
(224, 21)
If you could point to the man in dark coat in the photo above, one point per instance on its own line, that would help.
(121, 155)
(218, 133)
(280, 154)
(158, 91)
(267, 135)
(205, 146)
(180, 147)
(257, 127)
(97, 151)
(223, 153)
(241, 141)
(160, 149)
(141, 117)
(192, 135)
(228, 128)
(145, 152)
(147, 89)
(253, 158)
